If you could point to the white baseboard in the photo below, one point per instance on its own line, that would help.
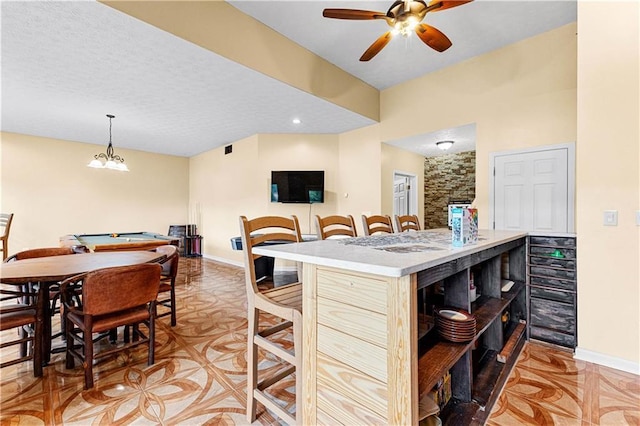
(223, 260)
(607, 361)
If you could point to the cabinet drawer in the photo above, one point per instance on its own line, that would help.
(549, 294)
(357, 290)
(552, 273)
(553, 241)
(552, 336)
(569, 253)
(554, 283)
(551, 314)
(553, 262)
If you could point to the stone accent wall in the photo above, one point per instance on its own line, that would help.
(447, 178)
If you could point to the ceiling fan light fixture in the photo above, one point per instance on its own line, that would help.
(407, 26)
(444, 145)
(404, 17)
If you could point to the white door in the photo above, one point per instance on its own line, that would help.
(531, 191)
(401, 195)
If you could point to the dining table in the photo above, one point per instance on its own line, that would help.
(49, 270)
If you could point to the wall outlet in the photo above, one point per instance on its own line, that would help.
(610, 218)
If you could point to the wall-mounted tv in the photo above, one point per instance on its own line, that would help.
(297, 186)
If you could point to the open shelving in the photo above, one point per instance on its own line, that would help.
(480, 366)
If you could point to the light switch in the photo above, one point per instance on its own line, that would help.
(610, 218)
(638, 217)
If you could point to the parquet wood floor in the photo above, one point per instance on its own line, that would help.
(200, 373)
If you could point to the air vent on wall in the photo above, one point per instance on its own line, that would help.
(228, 149)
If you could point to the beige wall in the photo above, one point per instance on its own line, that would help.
(46, 184)
(227, 186)
(520, 96)
(359, 158)
(223, 187)
(608, 178)
(402, 161)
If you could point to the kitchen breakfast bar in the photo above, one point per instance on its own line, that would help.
(373, 348)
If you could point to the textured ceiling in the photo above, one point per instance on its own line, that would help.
(474, 28)
(464, 138)
(65, 65)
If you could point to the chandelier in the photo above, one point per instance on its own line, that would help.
(109, 160)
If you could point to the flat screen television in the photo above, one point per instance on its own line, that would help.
(297, 186)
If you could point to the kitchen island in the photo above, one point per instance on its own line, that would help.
(370, 348)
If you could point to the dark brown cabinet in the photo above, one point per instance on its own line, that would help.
(478, 368)
(552, 289)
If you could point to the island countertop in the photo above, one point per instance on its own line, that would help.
(391, 255)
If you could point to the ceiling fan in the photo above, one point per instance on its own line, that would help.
(404, 17)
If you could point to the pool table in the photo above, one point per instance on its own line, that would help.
(119, 241)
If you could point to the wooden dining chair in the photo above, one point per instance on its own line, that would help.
(54, 287)
(377, 224)
(111, 297)
(19, 309)
(407, 222)
(168, 282)
(284, 302)
(335, 226)
(5, 225)
(40, 252)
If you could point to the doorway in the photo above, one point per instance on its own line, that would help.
(405, 193)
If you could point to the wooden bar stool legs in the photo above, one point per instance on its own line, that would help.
(282, 302)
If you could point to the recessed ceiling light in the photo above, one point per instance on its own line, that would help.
(296, 121)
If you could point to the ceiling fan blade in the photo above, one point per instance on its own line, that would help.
(352, 14)
(446, 4)
(433, 37)
(377, 46)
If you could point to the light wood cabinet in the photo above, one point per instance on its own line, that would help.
(370, 352)
(363, 328)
